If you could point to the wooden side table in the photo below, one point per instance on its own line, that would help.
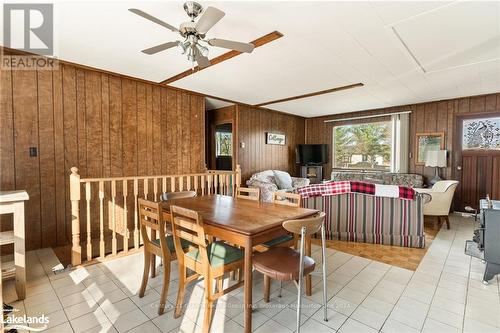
(12, 202)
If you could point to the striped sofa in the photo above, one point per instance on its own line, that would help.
(359, 217)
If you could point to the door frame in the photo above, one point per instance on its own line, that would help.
(456, 159)
(224, 115)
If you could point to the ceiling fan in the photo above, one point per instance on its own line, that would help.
(194, 34)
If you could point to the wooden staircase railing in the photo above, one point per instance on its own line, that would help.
(112, 224)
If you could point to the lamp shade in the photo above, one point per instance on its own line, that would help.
(436, 158)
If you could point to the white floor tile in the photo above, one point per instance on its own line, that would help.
(433, 326)
(315, 326)
(393, 326)
(353, 326)
(129, 320)
(147, 327)
(272, 326)
(115, 310)
(369, 317)
(288, 318)
(445, 317)
(90, 320)
(63, 328)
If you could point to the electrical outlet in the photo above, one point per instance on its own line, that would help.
(242, 145)
(33, 151)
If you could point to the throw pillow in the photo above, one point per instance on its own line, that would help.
(283, 179)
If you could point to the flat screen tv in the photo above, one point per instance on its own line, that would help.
(312, 154)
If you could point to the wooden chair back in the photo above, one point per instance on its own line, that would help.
(151, 221)
(312, 225)
(287, 199)
(177, 195)
(248, 193)
(187, 224)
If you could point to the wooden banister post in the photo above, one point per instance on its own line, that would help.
(238, 175)
(74, 187)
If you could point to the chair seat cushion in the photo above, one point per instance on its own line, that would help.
(170, 243)
(278, 240)
(282, 263)
(219, 253)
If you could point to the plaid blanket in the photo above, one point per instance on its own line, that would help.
(330, 188)
(333, 188)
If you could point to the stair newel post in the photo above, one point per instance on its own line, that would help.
(74, 185)
(238, 178)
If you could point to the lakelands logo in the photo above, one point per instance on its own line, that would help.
(29, 27)
(30, 323)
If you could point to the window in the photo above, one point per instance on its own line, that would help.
(366, 146)
(223, 144)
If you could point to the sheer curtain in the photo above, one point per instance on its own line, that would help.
(400, 142)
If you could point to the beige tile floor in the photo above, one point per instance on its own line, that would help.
(444, 294)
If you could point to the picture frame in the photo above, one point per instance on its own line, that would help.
(425, 142)
(275, 139)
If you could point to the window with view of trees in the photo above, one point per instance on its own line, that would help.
(223, 144)
(363, 146)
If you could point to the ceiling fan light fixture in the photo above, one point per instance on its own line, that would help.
(203, 50)
(194, 32)
(183, 46)
(191, 54)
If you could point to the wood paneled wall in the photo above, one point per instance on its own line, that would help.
(105, 125)
(253, 123)
(436, 116)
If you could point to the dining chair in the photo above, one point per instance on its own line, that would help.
(165, 196)
(152, 222)
(286, 199)
(248, 193)
(209, 259)
(287, 264)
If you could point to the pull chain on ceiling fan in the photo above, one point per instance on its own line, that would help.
(194, 33)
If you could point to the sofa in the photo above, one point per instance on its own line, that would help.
(266, 182)
(355, 216)
(388, 178)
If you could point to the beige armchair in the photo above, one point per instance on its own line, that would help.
(442, 195)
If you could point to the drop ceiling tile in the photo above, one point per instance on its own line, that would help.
(454, 35)
(393, 11)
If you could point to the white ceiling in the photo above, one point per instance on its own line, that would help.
(404, 52)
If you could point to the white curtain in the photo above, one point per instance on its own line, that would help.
(400, 142)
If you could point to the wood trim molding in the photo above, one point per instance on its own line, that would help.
(317, 93)
(226, 56)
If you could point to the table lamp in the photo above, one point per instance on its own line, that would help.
(435, 159)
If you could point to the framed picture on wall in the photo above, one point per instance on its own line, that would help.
(275, 139)
(426, 142)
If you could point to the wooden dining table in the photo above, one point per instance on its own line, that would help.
(244, 223)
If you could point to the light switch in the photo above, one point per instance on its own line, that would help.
(242, 145)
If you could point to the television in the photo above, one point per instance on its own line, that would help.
(311, 154)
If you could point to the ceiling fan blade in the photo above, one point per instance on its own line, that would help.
(200, 59)
(232, 45)
(209, 18)
(159, 48)
(153, 19)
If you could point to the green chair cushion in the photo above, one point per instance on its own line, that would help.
(170, 243)
(278, 240)
(219, 253)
